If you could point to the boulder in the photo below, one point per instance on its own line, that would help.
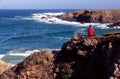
(69, 14)
(78, 12)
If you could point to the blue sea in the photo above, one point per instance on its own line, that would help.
(23, 32)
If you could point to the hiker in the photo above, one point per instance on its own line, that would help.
(91, 31)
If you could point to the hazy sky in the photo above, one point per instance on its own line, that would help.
(59, 4)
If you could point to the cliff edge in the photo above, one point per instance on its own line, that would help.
(83, 57)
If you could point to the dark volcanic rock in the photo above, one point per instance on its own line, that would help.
(95, 16)
(83, 57)
(114, 25)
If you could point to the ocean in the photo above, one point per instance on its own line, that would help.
(23, 32)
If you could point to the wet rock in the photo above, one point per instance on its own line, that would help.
(114, 25)
(69, 14)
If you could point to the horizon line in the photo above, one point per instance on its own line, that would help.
(56, 9)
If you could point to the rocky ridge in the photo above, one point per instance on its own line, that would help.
(83, 57)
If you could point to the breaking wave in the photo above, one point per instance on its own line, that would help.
(18, 55)
(1, 56)
(52, 19)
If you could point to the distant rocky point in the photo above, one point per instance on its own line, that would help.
(82, 57)
(93, 16)
(114, 25)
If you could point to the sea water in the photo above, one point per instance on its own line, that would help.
(23, 32)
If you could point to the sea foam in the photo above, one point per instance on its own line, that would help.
(21, 52)
(1, 56)
(17, 55)
(52, 19)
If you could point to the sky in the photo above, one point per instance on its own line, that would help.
(59, 4)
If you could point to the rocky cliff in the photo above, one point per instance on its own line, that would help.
(83, 57)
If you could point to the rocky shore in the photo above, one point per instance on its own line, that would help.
(93, 16)
(114, 25)
(82, 57)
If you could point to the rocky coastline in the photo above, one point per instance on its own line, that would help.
(94, 16)
(82, 57)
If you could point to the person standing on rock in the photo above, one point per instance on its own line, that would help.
(91, 31)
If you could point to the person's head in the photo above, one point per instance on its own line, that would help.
(90, 26)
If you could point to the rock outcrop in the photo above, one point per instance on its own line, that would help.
(114, 25)
(83, 57)
(94, 57)
(4, 66)
(94, 16)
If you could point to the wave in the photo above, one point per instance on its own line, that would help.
(54, 14)
(13, 18)
(117, 27)
(102, 26)
(62, 38)
(52, 19)
(18, 37)
(43, 49)
(18, 55)
(5, 39)
(1, 56)
(21, 52)
(32, 36)
(81, 31)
